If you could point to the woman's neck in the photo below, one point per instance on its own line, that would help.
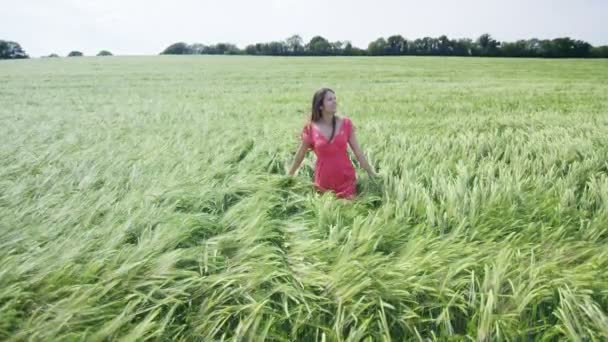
(327, 117)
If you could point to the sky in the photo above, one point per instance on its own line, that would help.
(146, 27)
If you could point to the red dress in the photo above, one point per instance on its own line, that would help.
(334, 170)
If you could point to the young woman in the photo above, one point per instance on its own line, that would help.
(328, 134)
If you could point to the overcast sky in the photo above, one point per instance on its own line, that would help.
(142, 27)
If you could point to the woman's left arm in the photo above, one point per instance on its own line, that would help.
(354, 145)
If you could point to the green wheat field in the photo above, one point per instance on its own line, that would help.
(147, 198)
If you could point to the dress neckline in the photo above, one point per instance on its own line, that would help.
(335, 135)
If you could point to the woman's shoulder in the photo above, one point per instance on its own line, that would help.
(307, 123)
(345, 119)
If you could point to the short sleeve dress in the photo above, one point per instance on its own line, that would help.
(334, 170)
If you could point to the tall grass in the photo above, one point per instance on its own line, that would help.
(145, 198)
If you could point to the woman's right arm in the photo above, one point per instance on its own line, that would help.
(300, 154)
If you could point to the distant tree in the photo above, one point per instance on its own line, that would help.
(396, 45)
(462, 47)
(197, 49)
(276, 49)
(600, 51)
(226, 49)
(318, 46)
(533, 47)
(104, 53)
(514, 49)
(378, 47)
(582, 48)
(486, 46)
(259, 47)
(425, 46)
(53, 55)
(11, 50)
(294, 45)
(359, 52)
(348, 48)
(337, 48)
(566, 47)
(444, 46)
(415, 47)
(180, 48)
(222, 49)
(251, 50)
(75, 54)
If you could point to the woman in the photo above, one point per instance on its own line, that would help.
(328, 134)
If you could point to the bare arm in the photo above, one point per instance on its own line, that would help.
(354, 145)
(300, 154)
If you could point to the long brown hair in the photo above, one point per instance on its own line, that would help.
(317, 102)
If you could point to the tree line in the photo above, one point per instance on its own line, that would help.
(397, 45)
(13, 50)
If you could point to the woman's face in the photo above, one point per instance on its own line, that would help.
(330, 104)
